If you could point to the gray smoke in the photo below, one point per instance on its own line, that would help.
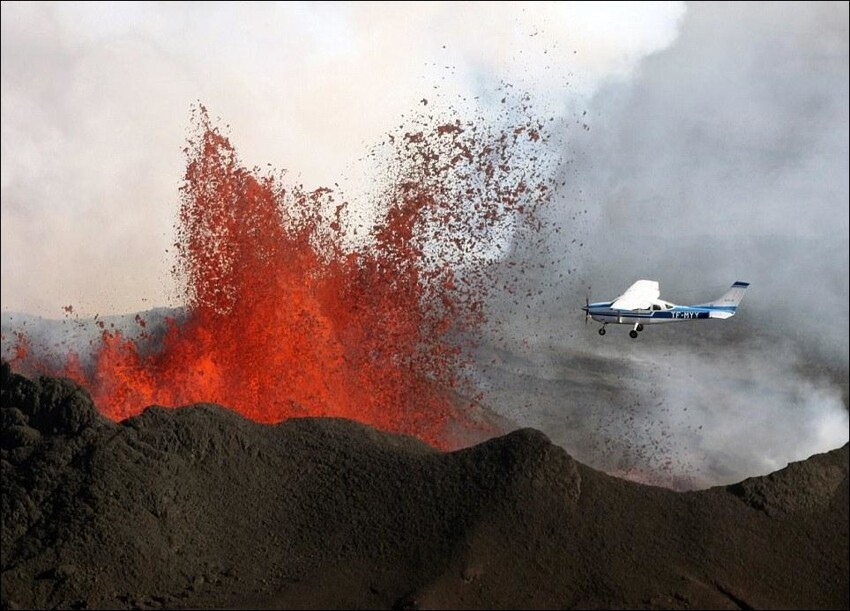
(725, 158)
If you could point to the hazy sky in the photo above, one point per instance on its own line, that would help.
(96, 99)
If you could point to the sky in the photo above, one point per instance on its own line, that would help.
(96, 100)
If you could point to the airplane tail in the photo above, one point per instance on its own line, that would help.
(727, 304)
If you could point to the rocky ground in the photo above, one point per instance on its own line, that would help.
(198, 507)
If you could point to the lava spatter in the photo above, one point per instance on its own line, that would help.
(285, 318)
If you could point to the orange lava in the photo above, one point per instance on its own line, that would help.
(285, 318)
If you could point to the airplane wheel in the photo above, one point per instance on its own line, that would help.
(633, 334)
(602, 331)
(640, 327)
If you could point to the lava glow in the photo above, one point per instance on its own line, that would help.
(285, 318)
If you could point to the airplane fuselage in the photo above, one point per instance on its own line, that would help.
(604, 313)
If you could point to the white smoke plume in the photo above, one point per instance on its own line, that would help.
(96, 100)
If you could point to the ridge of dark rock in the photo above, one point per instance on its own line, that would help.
(199, 507)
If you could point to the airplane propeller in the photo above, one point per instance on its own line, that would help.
(586, 308)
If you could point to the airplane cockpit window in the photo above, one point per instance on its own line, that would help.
(656, 307)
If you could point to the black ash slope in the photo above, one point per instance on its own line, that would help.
(199, 507)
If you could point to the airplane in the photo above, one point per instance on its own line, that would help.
(640, 306)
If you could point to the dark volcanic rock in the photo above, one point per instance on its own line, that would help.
(198, 507)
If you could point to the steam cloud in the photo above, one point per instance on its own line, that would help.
(725, 158)
(714, 148)
(96, 101)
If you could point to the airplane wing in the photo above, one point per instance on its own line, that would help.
(639, 296)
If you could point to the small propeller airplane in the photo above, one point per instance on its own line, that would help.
(640, 306)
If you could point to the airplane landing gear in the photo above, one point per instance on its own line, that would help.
(633, 334)
(601, 330)
(639, 327)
